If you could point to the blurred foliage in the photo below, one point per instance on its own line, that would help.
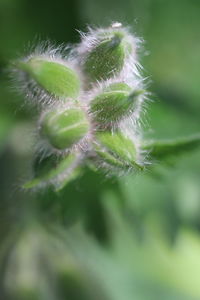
(135, 237)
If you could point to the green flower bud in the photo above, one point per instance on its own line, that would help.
(108, 56)
(66, 128)
(53, 77)
(116, 150)
(115, 103)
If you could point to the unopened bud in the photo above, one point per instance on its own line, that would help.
(66, 128)
(115, 103)
(107, 57)
(55, 78)
(117, 150)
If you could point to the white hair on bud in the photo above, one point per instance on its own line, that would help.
(95, 35)
(112, 170)
(75, 57)
(130, 73)
(90, 40)
(81, 145)
(24, 84)
(116, 25)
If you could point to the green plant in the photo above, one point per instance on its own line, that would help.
(90, 107)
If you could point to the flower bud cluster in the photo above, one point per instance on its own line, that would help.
(89, 105)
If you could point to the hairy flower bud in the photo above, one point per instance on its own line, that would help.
(115, 103)
(53, 77)
(108, 53)
(117, 150)
(90, 104)
(63, 129)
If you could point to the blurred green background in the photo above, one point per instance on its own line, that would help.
(135, 237)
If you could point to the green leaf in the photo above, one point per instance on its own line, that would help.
(165, 148)
(53, 170)
(55, 78)
(64, 129)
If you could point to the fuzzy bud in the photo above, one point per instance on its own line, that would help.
(107, 56)
(91, 105)
(55, 78)
(115, 103)
(63, 129)
(117, 150)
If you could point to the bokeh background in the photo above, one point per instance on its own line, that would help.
(135, 237)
